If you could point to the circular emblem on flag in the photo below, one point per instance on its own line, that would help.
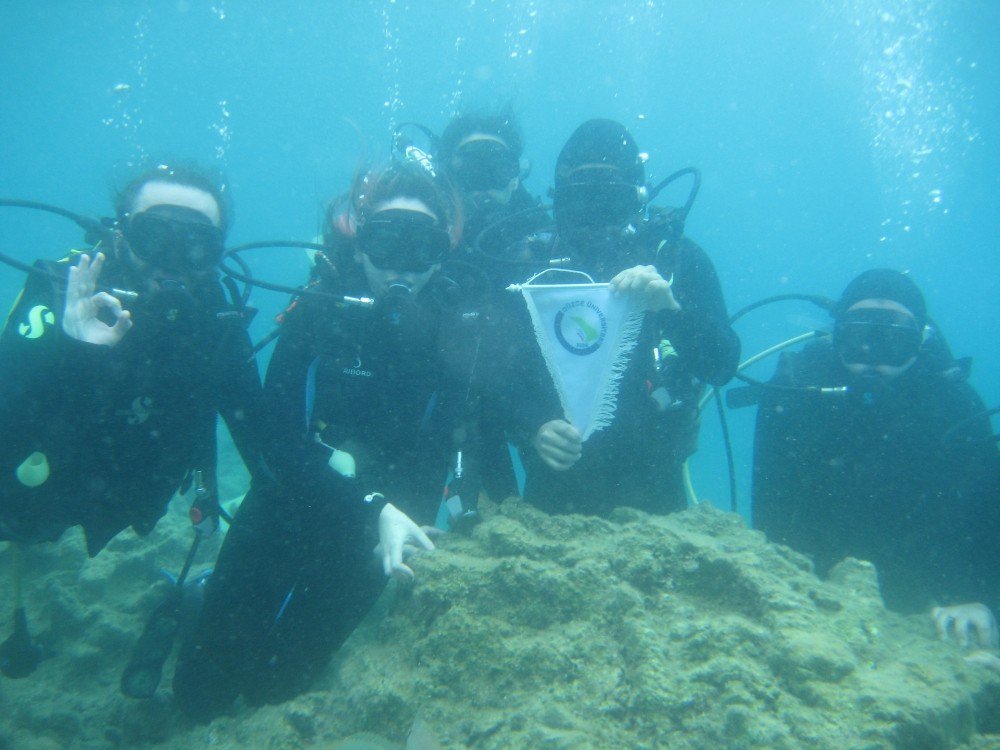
(581, 327)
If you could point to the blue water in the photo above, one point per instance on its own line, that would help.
(832, 136)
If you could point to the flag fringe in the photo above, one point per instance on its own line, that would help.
(604, 414)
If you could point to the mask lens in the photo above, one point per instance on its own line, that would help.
(597, 204)
(484, 165)
(406, 241)
(175, 238)
(866, 342)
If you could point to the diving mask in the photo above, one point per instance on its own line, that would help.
(403, 240)
(174, 238)
(597, 203)
(877, 337)
(485, 164)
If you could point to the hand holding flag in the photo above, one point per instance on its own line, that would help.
(648, 287)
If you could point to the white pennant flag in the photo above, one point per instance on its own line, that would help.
(586, 334)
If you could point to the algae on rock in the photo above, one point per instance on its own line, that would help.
(641, 632)
(686, 631)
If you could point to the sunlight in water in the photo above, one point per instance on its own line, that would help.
(917, 107)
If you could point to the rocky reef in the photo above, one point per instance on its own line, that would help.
(639, 632)
(646, 632)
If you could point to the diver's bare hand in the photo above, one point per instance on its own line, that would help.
(80, 319)
(961, 619)
(399, 537)
(558, 444)
(413, 550)
(648, 286)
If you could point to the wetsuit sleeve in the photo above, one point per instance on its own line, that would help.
(970, 548)
(518, 387)
(28, 355)
(778, 492)
(986, 512)
(295, 458)
(35, 352)
(700, 330)
(27, 342)
(45, 377)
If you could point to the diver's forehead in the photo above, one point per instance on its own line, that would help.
(405, 203)
(875, 303)
(173, 194)
(477, 136)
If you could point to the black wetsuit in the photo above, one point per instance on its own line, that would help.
(637, 460)
(119, 426)
(882, 477)
(296, 573)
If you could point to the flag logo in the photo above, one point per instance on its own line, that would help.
(581, 327)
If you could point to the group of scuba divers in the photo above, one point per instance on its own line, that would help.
(404, 378)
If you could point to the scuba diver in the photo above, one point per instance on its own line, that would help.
(502, 224)
(369, 411)
(482, 153)
(114, 364)
(108, 398)
(606, 228)
(871, 444)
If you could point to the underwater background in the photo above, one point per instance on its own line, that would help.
(833, 135)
